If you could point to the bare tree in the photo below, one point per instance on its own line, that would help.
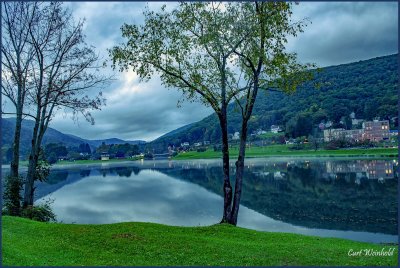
(17, 55)
(64, 69)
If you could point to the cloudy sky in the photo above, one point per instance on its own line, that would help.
(339, 33)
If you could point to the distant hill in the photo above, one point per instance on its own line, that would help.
(52, 136)
(368, 88)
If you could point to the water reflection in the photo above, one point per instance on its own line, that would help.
(351, 199)
(309, 194)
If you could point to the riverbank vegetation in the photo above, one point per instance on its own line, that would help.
(30, 243)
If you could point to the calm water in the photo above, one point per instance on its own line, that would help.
(354, 199)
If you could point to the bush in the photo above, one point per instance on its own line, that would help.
(42, 212)
(200, 150)
(12, 196)
(297, 146)
(217, 148)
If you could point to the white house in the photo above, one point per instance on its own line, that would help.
(105, 157)
(275, 129)
(235, 136)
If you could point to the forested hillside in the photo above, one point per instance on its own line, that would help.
(367, 88)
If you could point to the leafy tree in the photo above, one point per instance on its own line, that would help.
(191, 48)
(216, 53)
(56, 149)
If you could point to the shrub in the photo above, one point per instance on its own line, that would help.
(12, 196)
(202, 149)
(42, 212)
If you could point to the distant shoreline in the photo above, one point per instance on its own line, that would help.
(350, 154)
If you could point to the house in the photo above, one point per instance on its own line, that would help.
(394, 132)
(275, 129)
(206, 142)
(185, 144)
(235, 136)
(105, 157)
(197, 144)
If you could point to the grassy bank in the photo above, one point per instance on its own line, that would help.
(283, 150)
(29, 243)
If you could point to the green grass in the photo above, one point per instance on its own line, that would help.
(283, 150)
(29, 243)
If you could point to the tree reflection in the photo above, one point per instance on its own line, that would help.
(340, 195)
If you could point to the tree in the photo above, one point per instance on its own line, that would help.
(17, 54)
(191, 49)
(63, 70)
(267, 65)
(215, 53)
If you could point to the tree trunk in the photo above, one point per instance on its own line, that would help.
(38, 133)
(227, 188)
(16, 144)
(33, 160)
(30, 180)
(242, 153)
(239, 173)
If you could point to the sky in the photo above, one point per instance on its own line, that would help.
(339, 33)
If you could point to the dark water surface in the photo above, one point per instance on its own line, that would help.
(353, 199)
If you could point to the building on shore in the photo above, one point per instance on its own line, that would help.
(376, 130)
(372, 130)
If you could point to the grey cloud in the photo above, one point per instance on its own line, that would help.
(346, 32)
(340, 33)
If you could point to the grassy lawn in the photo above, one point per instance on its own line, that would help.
(29, 243)
(283, 150)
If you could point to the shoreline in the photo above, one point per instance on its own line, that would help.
(90, 163)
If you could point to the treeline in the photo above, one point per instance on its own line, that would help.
(367, 88)
(54, 152)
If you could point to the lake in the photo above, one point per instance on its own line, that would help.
(352, 199)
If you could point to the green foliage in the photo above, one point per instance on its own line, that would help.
(42, 213)
(42, 170)
(118, 150)
(12, 196)
(84, 148)
(202, 149)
